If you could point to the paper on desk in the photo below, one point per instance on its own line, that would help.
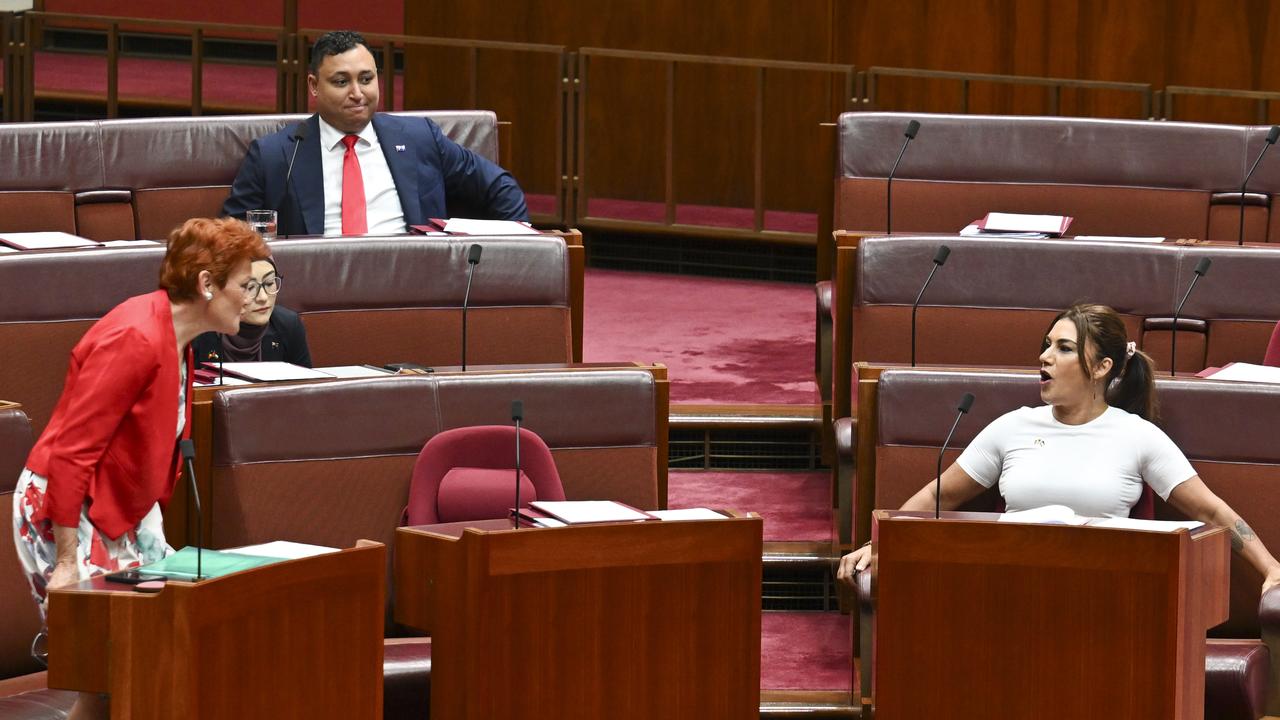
(972, 230)
(1025, 223)
(467, 226)
(1247, 372)
(588, 511)
(1120, 238)
(688, 514)
(130, 243)
(354, 371)
(1046, 515)
(270, 371)
(45, 240)
(282, 549)
(1149, 525)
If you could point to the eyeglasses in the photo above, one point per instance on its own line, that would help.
(272, 287)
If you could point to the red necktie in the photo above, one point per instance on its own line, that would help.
(354, 221)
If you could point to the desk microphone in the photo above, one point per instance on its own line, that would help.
(966, 403)
(517, 415)
(939, 259)
(1271, 138)
(188, 450)
(1202, 267)
(299, 134)
(913, 127)
(473, 259)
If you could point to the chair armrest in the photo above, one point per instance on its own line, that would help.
(1269, 620)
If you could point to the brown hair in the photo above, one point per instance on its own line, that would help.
(1130, 384)
(205, 244)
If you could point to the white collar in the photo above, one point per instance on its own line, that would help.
(331, 137)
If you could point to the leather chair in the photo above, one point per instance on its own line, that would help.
(1272, 356)
(468, 474)
(23, 693)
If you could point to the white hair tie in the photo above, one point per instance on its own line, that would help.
(1130, 348)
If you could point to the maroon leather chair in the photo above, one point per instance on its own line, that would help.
(23, 693)
(468, 473)
(1272, 357)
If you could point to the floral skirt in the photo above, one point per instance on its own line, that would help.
(96, 554)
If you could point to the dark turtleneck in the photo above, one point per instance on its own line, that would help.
(244, 346)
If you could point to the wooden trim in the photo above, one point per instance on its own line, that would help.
(868, 431)
(846, 248)
(662, 412)
(504, 143)
(828, 146)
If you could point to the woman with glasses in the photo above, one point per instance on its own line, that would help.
(89, 500)
(267, 331)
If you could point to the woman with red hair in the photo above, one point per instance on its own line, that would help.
(89, 500)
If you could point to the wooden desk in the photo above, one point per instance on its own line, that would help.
(620, 620)
(305, 635)
(981, 619)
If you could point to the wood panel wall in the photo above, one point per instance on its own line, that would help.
(1227, 43)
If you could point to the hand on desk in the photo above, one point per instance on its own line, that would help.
(853, 563)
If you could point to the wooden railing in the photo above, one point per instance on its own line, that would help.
(872, 81)
(1261, 100)
(668, 64)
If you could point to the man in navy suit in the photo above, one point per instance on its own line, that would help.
(356, 171)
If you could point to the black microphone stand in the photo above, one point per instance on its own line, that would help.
(913, 127)
(966, 402)
(473, 259)
(1272, 136)
(188, 449)
(517, 414)
(1202, 267)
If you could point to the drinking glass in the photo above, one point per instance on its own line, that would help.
(263, 222)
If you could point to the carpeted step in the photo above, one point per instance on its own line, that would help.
(806, 651)
(795, 505)
(724, 341)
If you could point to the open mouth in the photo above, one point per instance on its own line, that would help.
(1045, 376)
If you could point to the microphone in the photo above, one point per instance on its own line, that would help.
(188, 450)
(299, 134)
(966, 403)
(1202, 267)
(913, 127)
(939, 259)
(1272, 136)
(517, 415)
(473, 259)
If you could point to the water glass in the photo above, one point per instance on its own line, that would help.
(263, 222)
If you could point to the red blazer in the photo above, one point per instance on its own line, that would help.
(112, 437)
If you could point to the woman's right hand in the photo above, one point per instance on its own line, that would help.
(853, 563)
(64, 573)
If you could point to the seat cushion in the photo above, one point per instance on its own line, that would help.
(1235, 679)
(27, 697)
(471, 493)
(406, 678)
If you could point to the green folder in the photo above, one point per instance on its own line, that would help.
(182, 564)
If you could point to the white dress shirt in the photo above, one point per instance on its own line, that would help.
(383, 211)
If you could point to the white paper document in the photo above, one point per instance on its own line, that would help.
(972, 230)
(1248, 372)
(588, 511)
(688, 514)
(1148, 525)
(283, 549)
(46, 240)
(227, 381)
(354, 371)
(1119, 238)
(1047, 515)
(271, 371)
(1020, 222)
(467, 226)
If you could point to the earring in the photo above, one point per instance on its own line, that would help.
(208, 296)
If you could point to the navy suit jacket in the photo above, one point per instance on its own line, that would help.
(434, 176)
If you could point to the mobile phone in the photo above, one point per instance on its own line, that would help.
(133, 577)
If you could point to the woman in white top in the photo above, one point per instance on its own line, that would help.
(1090, 447)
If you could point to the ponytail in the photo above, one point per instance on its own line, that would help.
(1134, 389)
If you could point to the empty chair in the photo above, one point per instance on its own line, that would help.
(469, 474)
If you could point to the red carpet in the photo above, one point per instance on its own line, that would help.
(725, 341)
(794, 505)
(805, 651)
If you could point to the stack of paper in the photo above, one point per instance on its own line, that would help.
(45, 240)
(1247, 372)
(1018, 225)
(574, 512)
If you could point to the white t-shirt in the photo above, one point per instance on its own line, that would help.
(1096, 469)
(382, 204)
